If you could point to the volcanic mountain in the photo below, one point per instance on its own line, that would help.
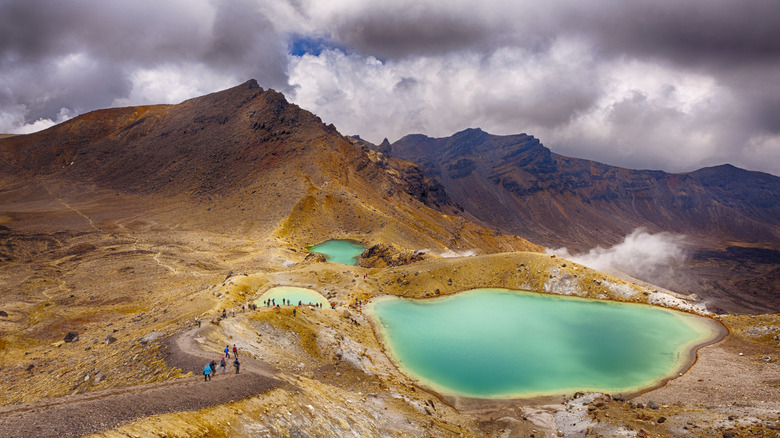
(731, 216)
(241, 159)
(134, 242)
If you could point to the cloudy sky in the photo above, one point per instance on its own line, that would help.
(672, 85)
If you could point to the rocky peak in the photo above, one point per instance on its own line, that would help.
(385, 147)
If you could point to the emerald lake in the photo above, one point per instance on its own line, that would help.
(499, 343)
(293, 294)
(339, 251)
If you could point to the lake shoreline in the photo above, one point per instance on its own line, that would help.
(467, 403)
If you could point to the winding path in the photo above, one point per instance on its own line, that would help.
(97, 411)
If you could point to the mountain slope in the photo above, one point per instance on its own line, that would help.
(249, 154)
(516, 183)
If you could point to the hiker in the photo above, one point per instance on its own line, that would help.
(227, 351)
(236, 364)
(223, 365)
(207, 372)
(293, 312)
(235, 351)
(197, 320)
(224, 313)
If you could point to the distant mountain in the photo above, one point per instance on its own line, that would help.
(519, 186)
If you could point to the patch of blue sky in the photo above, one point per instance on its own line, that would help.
(300, 45)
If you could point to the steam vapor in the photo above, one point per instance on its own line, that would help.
(641, 254)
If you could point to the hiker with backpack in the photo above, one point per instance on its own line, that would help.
(207, 372)
(236, 364)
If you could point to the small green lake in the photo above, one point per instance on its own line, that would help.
(294, 294)
(345, 252)
(499, 343)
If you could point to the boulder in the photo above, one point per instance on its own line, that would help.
(3, 313)
(110, 339)
(71, 337)
(151, 337)
(388, 255)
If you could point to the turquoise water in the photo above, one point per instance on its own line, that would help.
(339, 251)
(498, 343)
(294, 294)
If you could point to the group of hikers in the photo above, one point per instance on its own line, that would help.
(250, 306)
(271, 302)
(224, 312)
(211, 368)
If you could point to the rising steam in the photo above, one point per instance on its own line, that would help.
(641, 254)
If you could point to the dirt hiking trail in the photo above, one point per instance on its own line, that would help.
(81, 414)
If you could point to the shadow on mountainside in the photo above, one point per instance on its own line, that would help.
(97, 411)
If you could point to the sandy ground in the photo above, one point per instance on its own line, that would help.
(80, 414)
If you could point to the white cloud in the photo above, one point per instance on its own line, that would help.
(14, 124)
(641, 254)
(504, 91)
(173, 83)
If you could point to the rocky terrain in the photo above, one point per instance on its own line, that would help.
(119, 228)
(730, 216)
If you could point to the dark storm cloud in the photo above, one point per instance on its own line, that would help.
(82, 55)
(244, 37)
(386, 37)
(737, 42)
(709, 33)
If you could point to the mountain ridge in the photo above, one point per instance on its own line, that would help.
(245, 152)
(517, 185)
(519, 166)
